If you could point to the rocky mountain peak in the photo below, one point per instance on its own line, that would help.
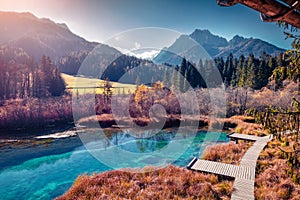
(206, 37)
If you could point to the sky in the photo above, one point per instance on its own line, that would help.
(99, 20)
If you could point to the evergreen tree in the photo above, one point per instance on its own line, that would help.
(181, 75)
(107, 91)
(199, 78)
(251, 76)
(166, 79)
(243, 76)
(174, 80)
(228, 70)
(57, 84)
(192, 76)
(279, 75)
(220, 65)
(236, 75)
(46, 70)
(185, 82)
(180, 79)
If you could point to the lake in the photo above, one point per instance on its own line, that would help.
(47, 171)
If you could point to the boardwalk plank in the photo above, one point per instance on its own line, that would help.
(244, 174)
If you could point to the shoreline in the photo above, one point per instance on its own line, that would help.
(172, 121)
(60, 139)
(107, 122)
(29, 133)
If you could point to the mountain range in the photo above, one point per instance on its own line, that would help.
(40, 36)
(202, 44)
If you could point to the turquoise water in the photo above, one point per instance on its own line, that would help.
(50, 176)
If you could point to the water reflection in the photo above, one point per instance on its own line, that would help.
(148, 142)
(122, 149)
(51, 175)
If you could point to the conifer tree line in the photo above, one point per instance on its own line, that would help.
(246, 72)
(21, 77)
(250, 72)
(184, 76)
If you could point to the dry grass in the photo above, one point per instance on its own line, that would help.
(273, 180)
(239, 124)
(246, 125)
(229, 153)
(274, 183)
(167, 183)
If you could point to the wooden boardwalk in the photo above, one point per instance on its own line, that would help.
(214, 167)
(244, 174)
(238, 136)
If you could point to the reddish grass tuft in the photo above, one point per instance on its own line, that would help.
(273, 180)
(229, 153)
(274, 183)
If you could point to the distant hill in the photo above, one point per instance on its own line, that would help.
(203, 44)
(40, 36)
(89, 63)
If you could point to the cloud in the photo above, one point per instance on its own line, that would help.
(146, 54)
(137, 45)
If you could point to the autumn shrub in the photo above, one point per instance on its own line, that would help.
(241, 99)
(32, 112)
